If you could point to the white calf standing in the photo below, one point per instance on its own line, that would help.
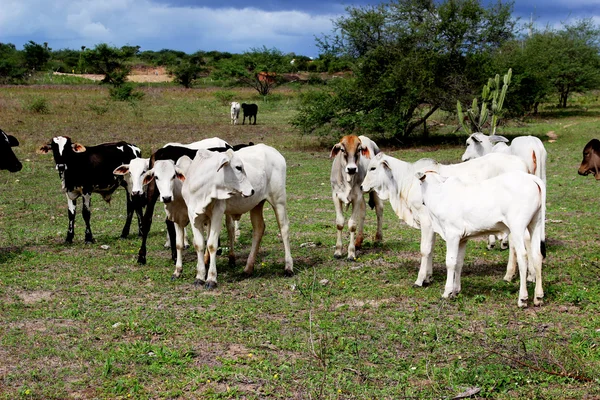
(350, 161)
(513, 202)
(235, 112)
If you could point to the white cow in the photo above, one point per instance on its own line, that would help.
(350, 160)
(513, 202)
(235, 112)
(529, 148)
(394, 180)
(234, 185)
(169, 178)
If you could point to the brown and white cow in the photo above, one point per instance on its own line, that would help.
(591, 159)
(350, 161)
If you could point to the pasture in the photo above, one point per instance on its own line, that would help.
(86, 321)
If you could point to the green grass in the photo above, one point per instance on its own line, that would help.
(79, 321)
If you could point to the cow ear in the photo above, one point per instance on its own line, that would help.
(420, 176)
(12, 141)
(148, 176)
(335, 150)
(179, 174)
(121, 170)
(498, 138)
(475, 138)
(78, 148)
(223, 162)
(45, 149)
(386, 165)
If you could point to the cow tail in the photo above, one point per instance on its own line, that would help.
(535, 166)
(541, 221)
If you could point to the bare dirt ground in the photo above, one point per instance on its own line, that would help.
(158, 74)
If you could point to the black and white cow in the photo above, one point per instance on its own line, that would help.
(8, 160)
(84, 170)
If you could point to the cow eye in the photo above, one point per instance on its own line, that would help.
(239, 168)
(373, 168)
(174, 176)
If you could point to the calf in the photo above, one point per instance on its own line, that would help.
(8, 160)
(169, 177)
(513, 202)
(591, 159)
(350, 160)
(235, 112)
(249, 110)
(234, 183)
(394, 179)
(86, 170)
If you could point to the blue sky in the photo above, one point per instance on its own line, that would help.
(191, 25)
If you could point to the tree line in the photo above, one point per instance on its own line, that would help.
(404, 60)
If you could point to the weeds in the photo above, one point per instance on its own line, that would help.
(39, 105)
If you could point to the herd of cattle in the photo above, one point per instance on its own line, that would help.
(498, 189)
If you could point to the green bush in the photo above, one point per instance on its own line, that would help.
(39, 105)
(125, 92)
(224, 96)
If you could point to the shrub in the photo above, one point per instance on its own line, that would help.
(39, 105)
(224, 97)
(125, 92)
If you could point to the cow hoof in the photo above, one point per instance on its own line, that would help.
(351, 258)
(288, 273)
(124, 236)
(337, 256)
(538, 301)
(142, 260)
(211, 285)
(91, 241)
(422, 285)
(69, 240)
(231, 262)
(174, 277)
(219, 251)
(198, 282)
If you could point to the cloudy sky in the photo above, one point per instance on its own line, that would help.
(190, 25)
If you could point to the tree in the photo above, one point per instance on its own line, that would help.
(552, 62)
(110, 61)
(36, 55)
(187, 71)
(12, 64)
(259, 68)
(409, 58)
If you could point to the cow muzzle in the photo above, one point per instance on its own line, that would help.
(61, 167)
(16, 167)
(351, 170)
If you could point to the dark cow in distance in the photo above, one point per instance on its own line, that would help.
(8, 160)
(84, 170)
(249, 110)
(591, 159)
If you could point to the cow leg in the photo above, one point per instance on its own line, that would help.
(425, 275)
(491, 242)
(535, 259)
(379, 213)
(339, 223)
(197, 224)
(230, 224)
(216, 220)
(511, 266)
(72, 205)
(255, 120)
(172, 238)
(452, 250)
(130, 210)
(462, 247)
(355, 226)
(258, 230)
(519, 244)
(86, 213)
(504, 241)
(152, 194)
(284, 229)
(179, 244)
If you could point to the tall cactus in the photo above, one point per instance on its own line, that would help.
(491, 93)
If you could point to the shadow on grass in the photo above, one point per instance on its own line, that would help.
(8, 253)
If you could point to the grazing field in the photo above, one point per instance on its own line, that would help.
(86, 321)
